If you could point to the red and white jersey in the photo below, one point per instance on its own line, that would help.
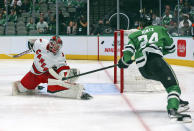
(44, 59)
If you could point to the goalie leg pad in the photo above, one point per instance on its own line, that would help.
(18, 89)
(64, 89)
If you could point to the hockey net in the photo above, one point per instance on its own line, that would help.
(130, 79)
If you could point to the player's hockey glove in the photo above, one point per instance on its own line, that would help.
(122, 64)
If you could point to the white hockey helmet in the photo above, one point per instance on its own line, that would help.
(55, 44)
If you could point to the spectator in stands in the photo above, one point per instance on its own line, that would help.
(62, 23)
(42, 26)
(175, 16)
(81, 7)
(185, 18)
(17, 2)
(99, 28)
(12, 17)
(179, 7)
(155, 19)
(34, 6)
(4, 6)
(191, 13)
(42, 1)
(16, 5)
(70, 3)
(52, 25)
(186, 29)
(72, 28)
(31, 25)
(172, 28)
(167, 18)
(186, 8)
(51, 1)
(2, 20)
(3, 14)
(92, 28)
(43, 16)
(107, 28)
(82, 26)
(26, 6)
(167, 9)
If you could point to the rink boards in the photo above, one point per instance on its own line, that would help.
(94, 48)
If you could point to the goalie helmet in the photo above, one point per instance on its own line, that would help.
(55, 44)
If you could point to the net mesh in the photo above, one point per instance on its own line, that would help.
(133, 80)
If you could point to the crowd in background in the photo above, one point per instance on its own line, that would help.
(177, 19)
(181, 25)
(28, 17)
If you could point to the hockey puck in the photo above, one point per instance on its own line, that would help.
(102, 42)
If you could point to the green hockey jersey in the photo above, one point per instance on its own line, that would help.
(153, 39)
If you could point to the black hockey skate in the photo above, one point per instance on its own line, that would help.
(183, 106)
(86, 96)
(175, 116)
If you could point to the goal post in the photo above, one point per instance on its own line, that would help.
(130, 79)
(121, 34)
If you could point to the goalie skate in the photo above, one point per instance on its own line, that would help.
(86, 96)
(183, 106)
(175, 116)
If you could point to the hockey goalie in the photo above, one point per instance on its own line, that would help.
(48, 69)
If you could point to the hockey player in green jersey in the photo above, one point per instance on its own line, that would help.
(148, 47)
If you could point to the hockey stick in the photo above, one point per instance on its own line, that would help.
(66, 78)
(22, 53)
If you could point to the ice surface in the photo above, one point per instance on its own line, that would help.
(108, 111)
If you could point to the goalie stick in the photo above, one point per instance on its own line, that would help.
(22, 53)
(66, 78)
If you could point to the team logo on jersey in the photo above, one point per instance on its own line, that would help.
(181, 48)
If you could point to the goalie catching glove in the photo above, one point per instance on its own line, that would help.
(123, 64)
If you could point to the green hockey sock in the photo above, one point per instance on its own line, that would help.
(173, 97)
(174, 88)
(173, 103)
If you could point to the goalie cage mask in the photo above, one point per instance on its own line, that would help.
(55, 44)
